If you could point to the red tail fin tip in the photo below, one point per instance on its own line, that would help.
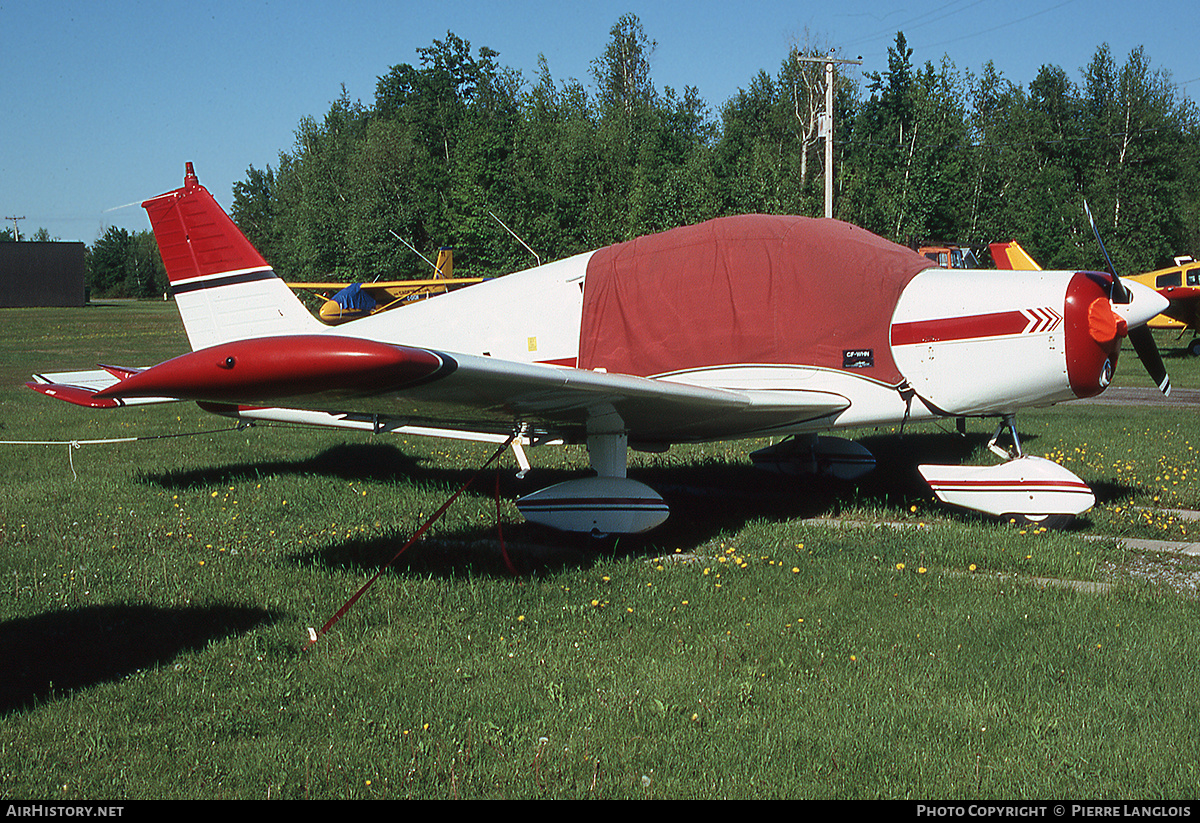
(195, 236)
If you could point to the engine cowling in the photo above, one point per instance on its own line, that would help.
(989, 342)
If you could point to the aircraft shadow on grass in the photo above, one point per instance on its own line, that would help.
(379, 462)
(51, 655)
(709, 497)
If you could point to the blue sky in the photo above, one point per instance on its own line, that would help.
(101, 104)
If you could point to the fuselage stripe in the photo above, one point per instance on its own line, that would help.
(996, 324)
(1011, 485)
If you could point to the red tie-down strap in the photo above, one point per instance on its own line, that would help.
(314, 636)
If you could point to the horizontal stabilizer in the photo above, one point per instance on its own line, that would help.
(83, 387)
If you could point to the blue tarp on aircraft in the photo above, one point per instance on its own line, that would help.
(353, 298)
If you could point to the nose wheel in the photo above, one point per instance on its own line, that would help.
(1045, 521)
(1026, 490)
(1050, 522)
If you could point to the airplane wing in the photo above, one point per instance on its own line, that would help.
(439, 389)
(389, 288)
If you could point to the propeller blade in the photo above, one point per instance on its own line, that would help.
(1140, 336)
(1119, 294)
(1143, 343)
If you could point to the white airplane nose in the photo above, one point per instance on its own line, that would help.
(1144, 304)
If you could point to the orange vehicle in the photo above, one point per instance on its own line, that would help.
(950, 257)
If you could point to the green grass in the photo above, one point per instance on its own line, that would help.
(156, 597)
(1183, 368)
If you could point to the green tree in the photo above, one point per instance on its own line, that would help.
(106, 271)
(457, 142)
(554, 166)
(312, 207)
(907, 165)
(254, 210)
(622, 73)
(1135, 178)
(121, 264)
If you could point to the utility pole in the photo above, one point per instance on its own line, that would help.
(16, 231)
(826, 123)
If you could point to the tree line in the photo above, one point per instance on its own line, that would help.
(459, 150)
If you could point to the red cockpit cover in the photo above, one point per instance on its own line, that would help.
(760, 289)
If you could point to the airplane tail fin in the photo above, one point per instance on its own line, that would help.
(445, 263)
(1011, 256)
(223, 287)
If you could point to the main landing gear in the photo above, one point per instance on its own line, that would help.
(609, 503)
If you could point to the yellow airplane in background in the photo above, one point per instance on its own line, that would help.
(1180, 284)
(354, 300)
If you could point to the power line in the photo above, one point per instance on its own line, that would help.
(16, 230)
(1001, 26)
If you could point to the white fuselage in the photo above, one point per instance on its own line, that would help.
(1005, 348)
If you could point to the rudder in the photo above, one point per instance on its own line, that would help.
(223, 287)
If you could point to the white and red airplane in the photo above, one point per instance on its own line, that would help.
(750, 326)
